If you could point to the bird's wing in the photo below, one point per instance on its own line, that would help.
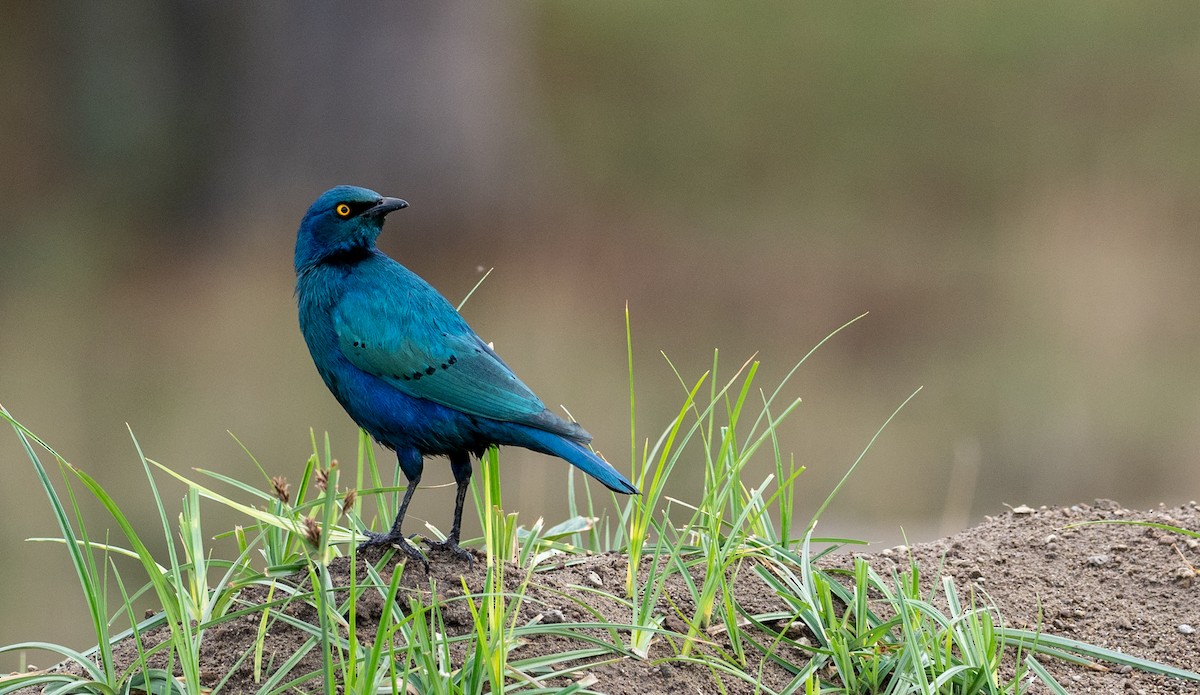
(421, 346)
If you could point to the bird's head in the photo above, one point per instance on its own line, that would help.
(344, 220)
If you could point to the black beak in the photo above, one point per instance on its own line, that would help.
(384, 206)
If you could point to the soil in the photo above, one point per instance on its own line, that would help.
(1130, 588)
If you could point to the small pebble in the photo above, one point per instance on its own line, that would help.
(1185, 629)
(1097, 560)
(594, 579)
(1052, 538)
(554, 616)
(1022, 510)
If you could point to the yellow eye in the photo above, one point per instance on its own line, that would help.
(342, 210)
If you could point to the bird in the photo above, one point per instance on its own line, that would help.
(407, 368)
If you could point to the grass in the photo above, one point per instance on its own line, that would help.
(836, 631)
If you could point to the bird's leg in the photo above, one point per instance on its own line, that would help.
(395, 537)
(460, 465)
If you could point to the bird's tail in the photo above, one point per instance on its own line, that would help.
(577, 455)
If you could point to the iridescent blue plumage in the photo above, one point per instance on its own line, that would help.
(405, 365)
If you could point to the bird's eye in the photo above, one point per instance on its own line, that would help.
(342, 210)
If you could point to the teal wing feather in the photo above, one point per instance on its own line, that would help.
(421, 346)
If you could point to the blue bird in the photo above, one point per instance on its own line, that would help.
(406, 366)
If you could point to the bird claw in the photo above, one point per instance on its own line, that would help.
(451, 546)
(400, 543)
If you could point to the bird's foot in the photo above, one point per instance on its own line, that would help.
(451, 546)
(400, 542)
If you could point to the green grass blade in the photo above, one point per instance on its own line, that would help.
(1043, 675)
(1037, 642)
(84, 569)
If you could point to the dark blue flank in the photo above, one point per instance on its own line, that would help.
(406, 366)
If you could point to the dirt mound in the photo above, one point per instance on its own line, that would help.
(1129, 588)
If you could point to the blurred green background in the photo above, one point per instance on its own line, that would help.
(1010, 190)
